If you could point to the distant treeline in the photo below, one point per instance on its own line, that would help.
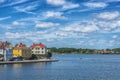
(84, 51)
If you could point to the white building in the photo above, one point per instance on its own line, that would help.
(38, 49)
(1, 51)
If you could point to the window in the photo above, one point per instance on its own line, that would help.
(36, 48)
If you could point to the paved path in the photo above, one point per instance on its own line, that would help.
(27, 61)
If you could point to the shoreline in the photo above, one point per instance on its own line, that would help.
(82, 53)
(28, 61)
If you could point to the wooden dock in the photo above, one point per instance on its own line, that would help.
(28, 61)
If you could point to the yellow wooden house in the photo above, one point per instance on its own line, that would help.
(17, 52)
(21, 50)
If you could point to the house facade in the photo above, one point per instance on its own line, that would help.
(1, 51)
(21, 50)
(39, 49)
(2, 47)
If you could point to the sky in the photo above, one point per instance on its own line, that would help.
(93, 24)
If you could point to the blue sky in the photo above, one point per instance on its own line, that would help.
(61, 23)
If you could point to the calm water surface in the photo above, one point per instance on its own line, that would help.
(70, 67)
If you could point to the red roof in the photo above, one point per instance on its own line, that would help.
(40, 45)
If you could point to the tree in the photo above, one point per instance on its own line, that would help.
(33, 56)
(1, 57)
(49, 54)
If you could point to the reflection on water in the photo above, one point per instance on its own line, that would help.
(41, 65)
(22, 71)
(20, 65)
(70, 67)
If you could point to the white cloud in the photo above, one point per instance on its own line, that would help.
(112, 1)
(1, 1)
(108, 15)
(5, 26)
(50, 40)
(56, 2)
(11, 3)
(17, 35)
(46, 24)
(63, 3)
(21, 37)
(39, 35)
(107, 25)
(16, 23)
(32, 20)
(27, 8)
(70, 6)
(71, 32)
(4, 18)
(114, 36)
(101, 41)
(12, 35)
(96, 4)
(30, 36)
(17, 2)
(99, 26)
(84, 27)
(52, 14)
(61, 34)
(81, 29)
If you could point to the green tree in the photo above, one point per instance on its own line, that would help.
(33, 57)
(49, 55)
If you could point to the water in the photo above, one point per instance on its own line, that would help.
(70, 67)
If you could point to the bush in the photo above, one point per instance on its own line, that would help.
(20, 57)
(33, 56)
(49, 54)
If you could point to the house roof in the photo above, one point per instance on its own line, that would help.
(40, 45)
(20, 46)
(2, 45)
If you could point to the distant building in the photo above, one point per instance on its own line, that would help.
(2, 47)
(39, 49)
(21, 50)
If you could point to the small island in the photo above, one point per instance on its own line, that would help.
(37, 52)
